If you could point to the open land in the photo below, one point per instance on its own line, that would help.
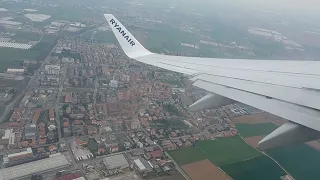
(254, 140)
(12, 58)
(295, 159)
(187, 155)
(259, 118)
(227, 150)
(301, 161)
(262, 168)
(249, 130)
(204, 170)
(171, 177)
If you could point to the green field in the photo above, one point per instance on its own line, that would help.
(105, 37)
(301, 161)
(262, 168)
(227, 150)
(100, 36)
(26, 36)
(11, 58)
(187, 155)
(249, 130)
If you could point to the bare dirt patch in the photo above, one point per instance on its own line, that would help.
(169, 177)
(259, 118)
(204, 170)
(253, 141)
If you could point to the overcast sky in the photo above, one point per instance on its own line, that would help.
(296, 4)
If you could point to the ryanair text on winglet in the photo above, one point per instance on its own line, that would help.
(127, 37)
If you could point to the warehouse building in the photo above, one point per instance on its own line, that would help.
(18, 156)
(26, 170)
(15, 71)
(30, 131)
(116, 161)
(52, 69)
(7, 137)
(79, 152)
(142, 165)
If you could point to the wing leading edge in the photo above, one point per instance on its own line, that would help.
(289, 89)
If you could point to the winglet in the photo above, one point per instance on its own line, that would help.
(130, 45)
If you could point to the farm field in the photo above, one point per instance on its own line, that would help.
(258, 118)
(261, 168)
(227, 150)
(253, 141)
(169, 177)
(301, 161)
(12, 58)
(250, 130)
(204, 170)
(187, 155)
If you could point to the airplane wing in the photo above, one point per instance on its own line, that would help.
(289, 89)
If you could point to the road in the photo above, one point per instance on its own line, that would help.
(63, 74)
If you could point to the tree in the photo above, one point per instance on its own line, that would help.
(93, 145)
(64, 107)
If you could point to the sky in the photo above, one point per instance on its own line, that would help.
(290, 4)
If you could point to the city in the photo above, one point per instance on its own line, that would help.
(74, 106)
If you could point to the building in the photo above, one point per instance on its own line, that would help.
(113, 84)
(15, 71)
(26, 170)
(36, 115)
(66, 132)
(135, 124)
(156, 154)
(52, 69)
(17, 114)
(18, 156)
(67, 60)
(116, 161)
(25, 100)
(114, 148)
(7, 137)
(79, 152)
(142, 165)
(30, 131)
(51, 114)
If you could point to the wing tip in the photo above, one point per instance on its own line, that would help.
(130, 45)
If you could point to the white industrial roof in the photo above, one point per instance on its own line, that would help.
(27, 169)
(27, 151)
(115, 161)
(139, 164)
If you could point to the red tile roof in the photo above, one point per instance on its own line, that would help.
(156, 154)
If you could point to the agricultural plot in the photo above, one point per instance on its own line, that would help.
(301, 161)
(227, 150)
(250, 130)
(187, 155)
(204, 170)
(262, 168)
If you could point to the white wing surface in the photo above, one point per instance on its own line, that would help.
(289, 89)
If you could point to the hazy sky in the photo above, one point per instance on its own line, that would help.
(296, 4)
